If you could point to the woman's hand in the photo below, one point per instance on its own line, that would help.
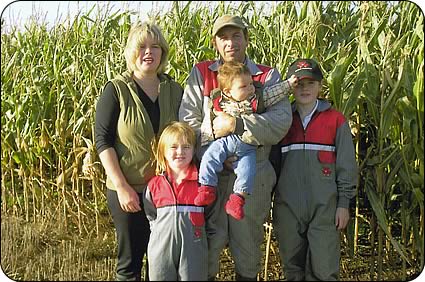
(128, 198)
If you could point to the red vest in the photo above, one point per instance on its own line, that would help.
(216, 103)
(321, 129)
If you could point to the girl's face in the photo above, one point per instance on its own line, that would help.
(178, 155)
(307, 91)
(242, 88)
(149, 57)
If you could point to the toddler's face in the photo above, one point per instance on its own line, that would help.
(242, 87)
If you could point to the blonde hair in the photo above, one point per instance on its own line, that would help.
(137, 36)
(174, 131)
(228, 71)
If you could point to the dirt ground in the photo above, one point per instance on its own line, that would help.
(355, 268)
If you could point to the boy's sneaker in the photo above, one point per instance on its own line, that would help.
(206, 195)
(234, 206)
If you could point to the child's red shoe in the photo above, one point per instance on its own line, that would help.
(206, 195)
(234, 206)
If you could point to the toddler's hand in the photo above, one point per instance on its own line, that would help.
(293, 81)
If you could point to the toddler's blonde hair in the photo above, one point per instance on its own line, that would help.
(228, 71)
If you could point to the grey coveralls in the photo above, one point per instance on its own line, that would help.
(318, 174)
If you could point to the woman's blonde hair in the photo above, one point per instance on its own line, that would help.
(174, 131)
(137, 36)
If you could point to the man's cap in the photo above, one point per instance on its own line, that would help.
(227, 20)
(305, 68)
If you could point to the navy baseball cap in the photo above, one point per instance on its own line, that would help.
(305, 68)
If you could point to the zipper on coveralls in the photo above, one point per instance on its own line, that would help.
(313, 117)
(175, 204)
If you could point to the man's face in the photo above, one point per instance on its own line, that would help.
(231, 44)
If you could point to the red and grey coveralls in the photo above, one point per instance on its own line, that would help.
(245, 236)
(318, 174)
(178, 246)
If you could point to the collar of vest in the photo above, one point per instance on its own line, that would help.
(127, 77)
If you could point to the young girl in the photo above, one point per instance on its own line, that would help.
(177, 249)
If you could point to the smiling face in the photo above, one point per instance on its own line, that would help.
(178, 155)
(149, 57)
(143, 38)
(307, 91)
(175, 149)
(230, 42)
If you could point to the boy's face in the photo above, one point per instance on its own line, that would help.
(307, 91)
(242, 88)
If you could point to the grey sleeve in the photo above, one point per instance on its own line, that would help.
(148, 205)
(271, 126)
(346, 166)
(191, 107)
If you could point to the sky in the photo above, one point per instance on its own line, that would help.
(17, 12)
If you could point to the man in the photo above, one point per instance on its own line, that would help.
(230, 39)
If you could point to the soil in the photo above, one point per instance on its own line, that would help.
(353, 268)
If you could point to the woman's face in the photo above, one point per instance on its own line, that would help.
(149, 57)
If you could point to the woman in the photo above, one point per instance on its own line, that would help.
(132, 110)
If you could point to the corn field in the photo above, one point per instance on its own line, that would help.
(372, 55)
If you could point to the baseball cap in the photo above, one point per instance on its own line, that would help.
(305, 68)
(227, 20)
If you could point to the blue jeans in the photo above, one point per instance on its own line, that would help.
(244, 167)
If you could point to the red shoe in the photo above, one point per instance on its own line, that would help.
(206, 195)
(234, 206)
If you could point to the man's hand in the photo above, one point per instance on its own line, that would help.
(223, 125)
(341, 218)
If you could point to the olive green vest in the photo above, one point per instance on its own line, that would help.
(135, 134)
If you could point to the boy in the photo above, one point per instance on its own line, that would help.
(317, 181)
(236, 96)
